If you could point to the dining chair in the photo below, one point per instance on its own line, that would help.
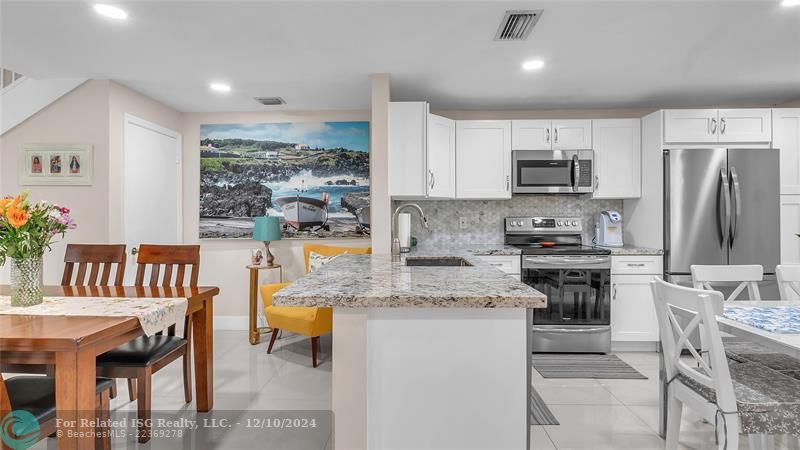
(748, 277)
(139, 359)
(94, 258)
(789, 281)
(307, 321)
(738, 397)
(37, 396)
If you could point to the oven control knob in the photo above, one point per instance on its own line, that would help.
(574, 223)
(559, 223)
(511, 223)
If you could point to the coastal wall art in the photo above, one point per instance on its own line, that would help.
(313, 175)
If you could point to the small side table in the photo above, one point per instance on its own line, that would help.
(254, 333)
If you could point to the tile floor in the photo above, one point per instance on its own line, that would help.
(594, 414)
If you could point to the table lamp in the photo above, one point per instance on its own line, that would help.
(267, 229)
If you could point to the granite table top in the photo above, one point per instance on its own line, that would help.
(378, 281)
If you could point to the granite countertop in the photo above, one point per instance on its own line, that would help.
(508, 250)
(632, 250)
(377, 281)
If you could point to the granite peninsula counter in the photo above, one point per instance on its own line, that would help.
(425, 356)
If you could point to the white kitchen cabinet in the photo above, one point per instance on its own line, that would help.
(572, 134)
(786, 137)
(407, 149)
(690, 125)
(790, 227)
(734, 126)
(441, 181)
(483, 159)
(421, 152)
(617, 158)
(551, 134)
(633, 314)
(745, 125)
(531, 134)
(510, 264)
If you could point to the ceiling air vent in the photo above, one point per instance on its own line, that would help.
(517, 25)
(270, 101)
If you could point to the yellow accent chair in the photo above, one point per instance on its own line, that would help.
(308, 321)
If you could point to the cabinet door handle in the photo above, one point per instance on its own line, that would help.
(635, 264)
(555, 134)
(547, 135)
(722, 126)
(713, 126)
(614, 294)
(596, 182)
(508, 183)
(433, 179)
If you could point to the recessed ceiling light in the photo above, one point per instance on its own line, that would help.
(790, 2)
(110, 11)
(534, 64)
(220, 87)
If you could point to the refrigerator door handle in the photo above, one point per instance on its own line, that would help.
(725, 191)
(737, 203)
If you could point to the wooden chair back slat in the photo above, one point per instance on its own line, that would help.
(152, 257)
(93, 258)
(5, 402)
(180, 274)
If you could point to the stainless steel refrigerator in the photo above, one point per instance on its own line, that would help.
(721, 206)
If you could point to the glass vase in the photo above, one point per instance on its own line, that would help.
(26, 282)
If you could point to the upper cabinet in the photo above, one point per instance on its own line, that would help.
(483, 159)
(617, 158)
(551, 134)
(786, 137)
(421, 152)
(717, 125)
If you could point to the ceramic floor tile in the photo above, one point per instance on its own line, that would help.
(540, 440)
(600, 427)
(633, 392)
(574, 392)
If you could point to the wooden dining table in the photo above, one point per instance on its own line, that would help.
(72, 344)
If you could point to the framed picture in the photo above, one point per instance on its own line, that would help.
(56, 164)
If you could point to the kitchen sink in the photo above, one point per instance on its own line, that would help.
(437, 261)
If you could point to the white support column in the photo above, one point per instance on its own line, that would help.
(349, 378)
(380, 203)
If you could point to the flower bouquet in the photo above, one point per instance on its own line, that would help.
(26, 232)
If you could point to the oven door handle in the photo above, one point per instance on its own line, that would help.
(569, 330)
(566, 262)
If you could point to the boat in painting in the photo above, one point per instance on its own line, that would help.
(303, 213)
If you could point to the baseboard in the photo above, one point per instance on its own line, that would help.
(624, 346)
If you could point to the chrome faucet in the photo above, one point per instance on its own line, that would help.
(395, 239)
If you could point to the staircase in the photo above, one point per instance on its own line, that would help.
(21, 96)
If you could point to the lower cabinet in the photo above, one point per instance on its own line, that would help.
(790, 228)
(633, 314)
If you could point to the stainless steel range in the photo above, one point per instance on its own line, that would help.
(575, 277)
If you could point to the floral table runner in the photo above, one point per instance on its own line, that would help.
(154, 314)
(775, 319)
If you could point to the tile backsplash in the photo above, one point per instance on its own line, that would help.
(484, 218)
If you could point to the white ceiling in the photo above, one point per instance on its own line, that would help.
(318, 55)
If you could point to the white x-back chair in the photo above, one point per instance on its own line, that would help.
(789, 281)
(748, 277)
(685, 378)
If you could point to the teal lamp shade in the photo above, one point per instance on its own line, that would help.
(267, 229)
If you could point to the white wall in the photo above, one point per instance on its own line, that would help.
(79, 117)
(224, 260)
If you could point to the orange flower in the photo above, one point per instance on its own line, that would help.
(17, 217)
(4, 204)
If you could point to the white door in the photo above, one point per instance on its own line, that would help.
(790, 228)
(441, 157)
(745, 125)
(483, 159)
(633, 313)
(531, 134)
(152, 187)
(572, 134)
(617, 158)
(690, 125)
(786, 137)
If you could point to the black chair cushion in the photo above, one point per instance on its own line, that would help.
(37, 395)
(141, 352)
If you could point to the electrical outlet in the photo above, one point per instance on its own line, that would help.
(462, 222)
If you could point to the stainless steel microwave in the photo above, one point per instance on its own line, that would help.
(552, 171)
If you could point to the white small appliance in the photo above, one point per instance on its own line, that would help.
(608, 229)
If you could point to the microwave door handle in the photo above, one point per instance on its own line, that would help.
(576, 173)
